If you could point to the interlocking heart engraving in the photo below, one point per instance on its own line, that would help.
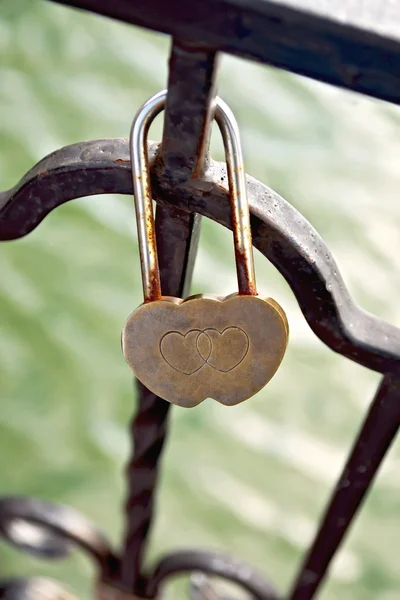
(188, 353)
(203, 347)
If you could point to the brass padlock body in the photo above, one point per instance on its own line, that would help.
(205, 346)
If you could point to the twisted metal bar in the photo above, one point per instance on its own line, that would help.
(191, 86)
(148, 433)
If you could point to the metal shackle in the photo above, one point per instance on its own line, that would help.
(143, 197)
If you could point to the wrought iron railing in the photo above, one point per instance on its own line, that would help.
(362, 58)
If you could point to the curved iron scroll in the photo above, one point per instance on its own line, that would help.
(59, 530)
(34, 588)
(56, 529)
(280, 232)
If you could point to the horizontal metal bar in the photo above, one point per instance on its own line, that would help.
(279, 231)
(361, 53)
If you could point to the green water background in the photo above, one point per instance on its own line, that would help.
(252, 479)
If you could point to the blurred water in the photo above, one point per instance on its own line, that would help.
(252, 479)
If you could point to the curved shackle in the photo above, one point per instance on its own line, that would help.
(143, 197)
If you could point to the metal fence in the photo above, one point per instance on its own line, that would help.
(354, 53)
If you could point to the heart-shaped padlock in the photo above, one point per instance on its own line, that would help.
(204, 346)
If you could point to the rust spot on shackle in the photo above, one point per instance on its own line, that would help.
(143, 202)
(243, 274)
(238, 197)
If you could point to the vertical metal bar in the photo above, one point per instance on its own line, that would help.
(181, 232)
(189, 111)
(183, 152)
(377, 433)
(148, 433)
(177, 236)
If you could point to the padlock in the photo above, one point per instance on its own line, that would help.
(225, 348)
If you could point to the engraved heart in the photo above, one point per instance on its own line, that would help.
(226, 349)
(188, 350)
(180, 351)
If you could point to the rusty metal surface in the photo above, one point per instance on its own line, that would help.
(143, 193)
(177, 234)
(143, 196)
(63, 175)
(191, 91)
(189, 112)
(338, 47)
(240, 215)
(280, 232)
